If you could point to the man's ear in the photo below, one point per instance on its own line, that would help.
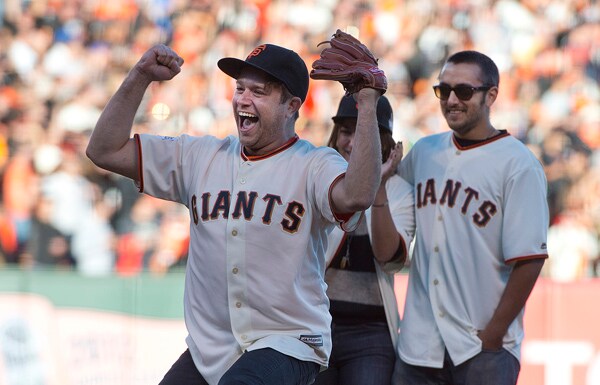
(491, 95)
(294, 105)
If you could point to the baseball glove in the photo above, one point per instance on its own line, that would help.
(349, 62)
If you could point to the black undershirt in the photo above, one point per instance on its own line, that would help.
(468, 142)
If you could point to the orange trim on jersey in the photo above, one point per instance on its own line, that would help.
(479, 144)
(340, 217)
(138, 143)
(401, 252)
(403, 247)
(285, 146)
(343, 217)
(526, 258)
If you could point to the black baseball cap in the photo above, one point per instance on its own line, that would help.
(385, 116)
(281, 63)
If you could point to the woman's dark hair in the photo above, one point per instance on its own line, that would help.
(387, 141)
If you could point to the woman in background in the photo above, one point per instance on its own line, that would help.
(361, 264)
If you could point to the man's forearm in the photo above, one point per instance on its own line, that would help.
(111, 136)
(517, 291)
(363, 176)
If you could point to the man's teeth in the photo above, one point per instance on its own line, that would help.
(247, 118)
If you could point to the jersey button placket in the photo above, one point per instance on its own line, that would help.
(240, 314)
(435, 286)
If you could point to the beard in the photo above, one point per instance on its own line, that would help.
(470, 118)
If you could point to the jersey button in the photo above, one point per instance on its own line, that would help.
(457, 152)
(243, 180)
(234, 232)
(244, 337)
(439, 217)
(235, 270)
(436, 249)
(238, 304)
(435, 281)
(442, 314)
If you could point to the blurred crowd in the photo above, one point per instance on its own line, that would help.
(60, 60)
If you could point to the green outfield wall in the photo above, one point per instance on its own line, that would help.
(144, 295)
(61, 328)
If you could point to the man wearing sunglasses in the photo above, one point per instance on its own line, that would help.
(482, 219)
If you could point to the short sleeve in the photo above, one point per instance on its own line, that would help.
(526, 215)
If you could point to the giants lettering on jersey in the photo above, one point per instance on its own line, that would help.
(454, 195)
(244, 206)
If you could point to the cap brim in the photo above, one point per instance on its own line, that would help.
(337, 118)
(234, 67)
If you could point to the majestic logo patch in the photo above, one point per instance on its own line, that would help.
(312, 339)
(544, 246)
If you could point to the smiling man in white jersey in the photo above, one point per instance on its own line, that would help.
(261, 204)
(482, 218)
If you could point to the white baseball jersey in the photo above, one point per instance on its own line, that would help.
(254, 275)
(477, 210)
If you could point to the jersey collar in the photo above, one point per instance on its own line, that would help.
(284, 147)
(469, 144)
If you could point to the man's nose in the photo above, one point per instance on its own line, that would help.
(244, 96)
(452, 98)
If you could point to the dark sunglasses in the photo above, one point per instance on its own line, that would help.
(463, 92)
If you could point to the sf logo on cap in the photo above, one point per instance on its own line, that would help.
(257, 51)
